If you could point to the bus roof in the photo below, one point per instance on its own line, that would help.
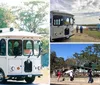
(19, 34)
(61, 13)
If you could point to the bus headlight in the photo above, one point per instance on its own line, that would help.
(18, 68)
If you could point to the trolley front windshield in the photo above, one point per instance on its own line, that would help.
(25, 47)
(59, 20)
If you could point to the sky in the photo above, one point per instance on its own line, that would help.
(67, 50)
(17, 2)
(85, 11)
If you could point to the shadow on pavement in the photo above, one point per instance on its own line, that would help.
(63, 39)
(16, 83)
(58, 84)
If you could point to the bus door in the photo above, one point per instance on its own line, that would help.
(68, 22)
(37, 62)
(31, 52)
(67, 25)
(28, 60)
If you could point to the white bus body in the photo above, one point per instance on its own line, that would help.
(61, 25)
(19, 56)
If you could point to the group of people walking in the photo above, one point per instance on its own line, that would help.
(72, 73)
(77, 29)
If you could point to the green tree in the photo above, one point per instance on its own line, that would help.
(70, 62)
(45, 46)
(53, 62)
(91, 54)
(56, 62)
(6, 17)
(60, 63)
(32, 16)
(43, 31)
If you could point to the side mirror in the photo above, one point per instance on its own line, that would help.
(40, 48)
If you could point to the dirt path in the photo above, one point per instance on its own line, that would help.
(84, 37)
(77, 81)
(81, 37)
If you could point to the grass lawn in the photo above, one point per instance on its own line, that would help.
(95, 34)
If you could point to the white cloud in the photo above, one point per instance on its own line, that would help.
(86, 5)
(63, 5)
(12, 2)
(85, 11)
(18, 2)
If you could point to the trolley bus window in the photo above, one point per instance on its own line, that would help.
(14, 47)
(66, 20)
(36, 48)
(28, 47)
(57, 20)
(2, 47)
(71, 20)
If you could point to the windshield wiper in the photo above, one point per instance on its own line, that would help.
(15, 56)
(29, 55)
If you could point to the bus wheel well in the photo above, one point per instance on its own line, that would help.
(1, 70)
(2, 77)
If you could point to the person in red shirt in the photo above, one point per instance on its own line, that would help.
(58, 75)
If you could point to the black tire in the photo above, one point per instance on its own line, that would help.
(29, 79)
(2, 77)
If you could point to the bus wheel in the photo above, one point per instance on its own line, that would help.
(2, 77)
(29, 79)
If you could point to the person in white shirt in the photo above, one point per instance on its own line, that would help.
(71, 76)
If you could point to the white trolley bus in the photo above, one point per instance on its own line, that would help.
(61, 25)
(19, 56)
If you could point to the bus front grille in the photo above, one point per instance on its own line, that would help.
(28, 66)
(67, 31)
